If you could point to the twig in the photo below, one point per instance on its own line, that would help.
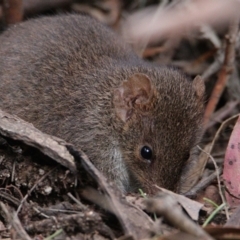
(222, 113)
(33, 187)
(83, 207)
(225, 71)
(13, 171)
(215, 66)
(208, 33)
(40, 213)
(218, 180)
(202, 184)
(9, 198)
(52, 211)
(16, 189)
(168, 207)
(14, 221)
(223, 125)
(187, 204)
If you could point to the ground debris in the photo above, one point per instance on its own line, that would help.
(47, 181)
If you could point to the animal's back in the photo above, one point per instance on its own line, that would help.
(63, 36)
(50, 63)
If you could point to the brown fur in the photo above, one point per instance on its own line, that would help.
(73, 78)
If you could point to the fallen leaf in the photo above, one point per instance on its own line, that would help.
(231, 167)
(191, 207)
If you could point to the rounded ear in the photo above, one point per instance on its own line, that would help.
(199, 86)
(135, 93)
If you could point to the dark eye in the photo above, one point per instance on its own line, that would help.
(146, 152)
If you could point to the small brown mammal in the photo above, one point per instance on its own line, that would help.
(74, 78)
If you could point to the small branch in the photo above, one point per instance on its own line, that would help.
(202, 184)
(30, 191)
(218, 172)
(14, 221)
(168, 207)
(225, 71)
(222, 113)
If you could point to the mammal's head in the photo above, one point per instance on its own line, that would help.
(162, 123)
